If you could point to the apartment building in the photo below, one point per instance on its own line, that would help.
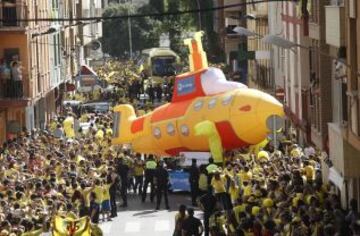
(295, 71)
(89, 32)
(341, 35)
(259, 66)
(36, 60)
(233, 45)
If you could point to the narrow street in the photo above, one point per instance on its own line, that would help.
(142, 218)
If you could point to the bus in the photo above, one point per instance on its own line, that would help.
(158, 63)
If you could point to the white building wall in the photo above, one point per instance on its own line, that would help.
(276, 28)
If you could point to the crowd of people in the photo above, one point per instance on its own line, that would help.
(55, 172)
(269, 193)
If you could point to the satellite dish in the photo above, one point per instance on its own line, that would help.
(95, 45)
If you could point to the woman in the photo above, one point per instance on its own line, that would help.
(179, 219)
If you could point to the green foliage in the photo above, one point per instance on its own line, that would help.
(145, 30)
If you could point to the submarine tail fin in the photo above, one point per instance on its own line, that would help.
(123, 117)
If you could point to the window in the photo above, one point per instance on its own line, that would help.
(184, 130)
(170, 129)
(11, 54)
(198, 105)
(227, 100)
(212, 103)
(163, 66)
(9, 13)
(116, 124)
(157, 132)
(314, 14)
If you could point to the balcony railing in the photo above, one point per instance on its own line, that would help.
(10, 12)
(10, 89)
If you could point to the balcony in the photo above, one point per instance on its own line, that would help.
(232, 2)
(10, 11)
(335, 30)
(14, 93)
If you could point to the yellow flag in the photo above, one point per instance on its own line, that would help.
(33, 233)
(71, 227)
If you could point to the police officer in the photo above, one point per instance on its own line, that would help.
(162, 180)
(150, 168)
(194, 181)
(123, 171)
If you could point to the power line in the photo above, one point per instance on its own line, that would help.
(103, 18)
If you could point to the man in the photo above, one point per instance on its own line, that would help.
(150, 167)
(123, 171)
(194, 181)
(207, 203)
(162, 180)
(211, 168)
(192, 226)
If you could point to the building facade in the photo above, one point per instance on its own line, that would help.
(342, 30)
(295, 72)
(259, 66)
(38, 58)
(233, 45)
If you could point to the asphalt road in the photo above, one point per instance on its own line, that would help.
(142, 218)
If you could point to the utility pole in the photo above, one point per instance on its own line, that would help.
(199, 13)
(130, 33)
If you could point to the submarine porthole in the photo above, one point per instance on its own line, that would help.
(157, 132)
(170, 129)
(198, 105)
(212, 103)
(185, 130)
(227, 100)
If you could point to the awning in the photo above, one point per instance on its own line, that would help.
(336, 178)
(86, 70)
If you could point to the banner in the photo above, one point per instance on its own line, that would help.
(179, 181)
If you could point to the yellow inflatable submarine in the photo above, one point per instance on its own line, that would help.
(239, 113)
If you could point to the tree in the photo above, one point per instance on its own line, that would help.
(145, 30)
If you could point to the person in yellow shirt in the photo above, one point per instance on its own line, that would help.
(105, 204)
(309, 172)
(98, 190)
(218, 183)
(247, 190)
(234, 191)
(139, 176)
(203, 181)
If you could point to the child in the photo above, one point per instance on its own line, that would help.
(94, 209)
(105, 205)
(98, 190)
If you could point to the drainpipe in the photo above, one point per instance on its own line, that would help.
(346, 194)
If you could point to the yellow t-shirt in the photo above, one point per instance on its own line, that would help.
(309, 172)
(203, 182)
(109, 132)
(247, 190)
(86, 193)
(234, 193)
(106, 193)
(98, 190)
(138, 170)
(218, 185)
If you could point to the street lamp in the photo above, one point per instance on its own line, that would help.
(245, 32)
(279, 41)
